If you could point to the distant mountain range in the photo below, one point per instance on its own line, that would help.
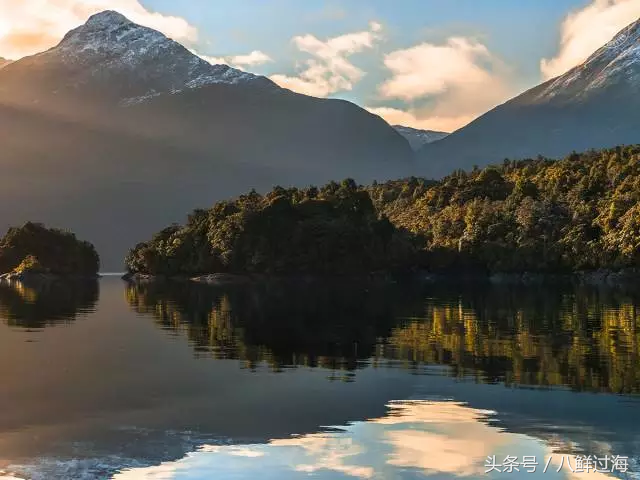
(4, 62)
(418, 138)
(596, 104)
(119, 130)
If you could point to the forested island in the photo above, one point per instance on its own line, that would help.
(34, 251)
(333, 229)
(541, 216)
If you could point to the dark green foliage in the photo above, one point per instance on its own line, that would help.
(35, 248)
(538, 215)
(579, 213)
(332, 230)
(30, 264)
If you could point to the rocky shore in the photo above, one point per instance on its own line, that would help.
(597, 277)
(210, 279)
(32, 277)
(230, 279)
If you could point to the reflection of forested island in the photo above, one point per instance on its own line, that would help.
(586, 338)
(49, 276)
(583, 337)
(46, 303)
(578, 214)
(281, 323)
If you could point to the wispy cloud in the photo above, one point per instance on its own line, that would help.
(31, 26)
(429, 69)
(586, 30)
(416, 119)
(330, 453)
(249, 60)
(329, 70)
(445, 86)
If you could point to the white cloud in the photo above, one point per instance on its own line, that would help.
(31, 26)
(455, 81)
(328, 453)
(252, 59)
(586, 30)
(212, 60)
(454, 439)
(234, 450)
(429, 69)
(435, 439)
(329, 70)
(412, 118)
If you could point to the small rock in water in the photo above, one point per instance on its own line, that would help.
(221, 279)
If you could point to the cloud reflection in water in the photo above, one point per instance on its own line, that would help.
(415, 439)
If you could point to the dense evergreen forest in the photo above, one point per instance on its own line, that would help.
(34, 248)
(538, 215)
(333, 229)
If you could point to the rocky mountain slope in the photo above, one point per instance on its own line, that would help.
(418, 138)
(119, 130)
(596, 104)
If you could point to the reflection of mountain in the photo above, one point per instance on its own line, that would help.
(584, 338)
(47, 304)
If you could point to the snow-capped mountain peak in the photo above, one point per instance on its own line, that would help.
(418, 138)
(615, 62)
(111, 34)
(107, 18)
(143, 61)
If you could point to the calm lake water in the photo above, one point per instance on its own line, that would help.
(337, 381)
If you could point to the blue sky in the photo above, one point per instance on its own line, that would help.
(521, 31)
(507, 38)
(433, 64)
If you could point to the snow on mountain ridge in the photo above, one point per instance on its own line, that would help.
(107, 18)
(109, 44)
(618, 60)
(110, 34)
(623, 52)
(417, 138)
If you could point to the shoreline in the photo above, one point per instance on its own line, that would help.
(46, 277)
(604, 277)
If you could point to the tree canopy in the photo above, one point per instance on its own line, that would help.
(538, 215)
(35, 248)
(334, 229)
